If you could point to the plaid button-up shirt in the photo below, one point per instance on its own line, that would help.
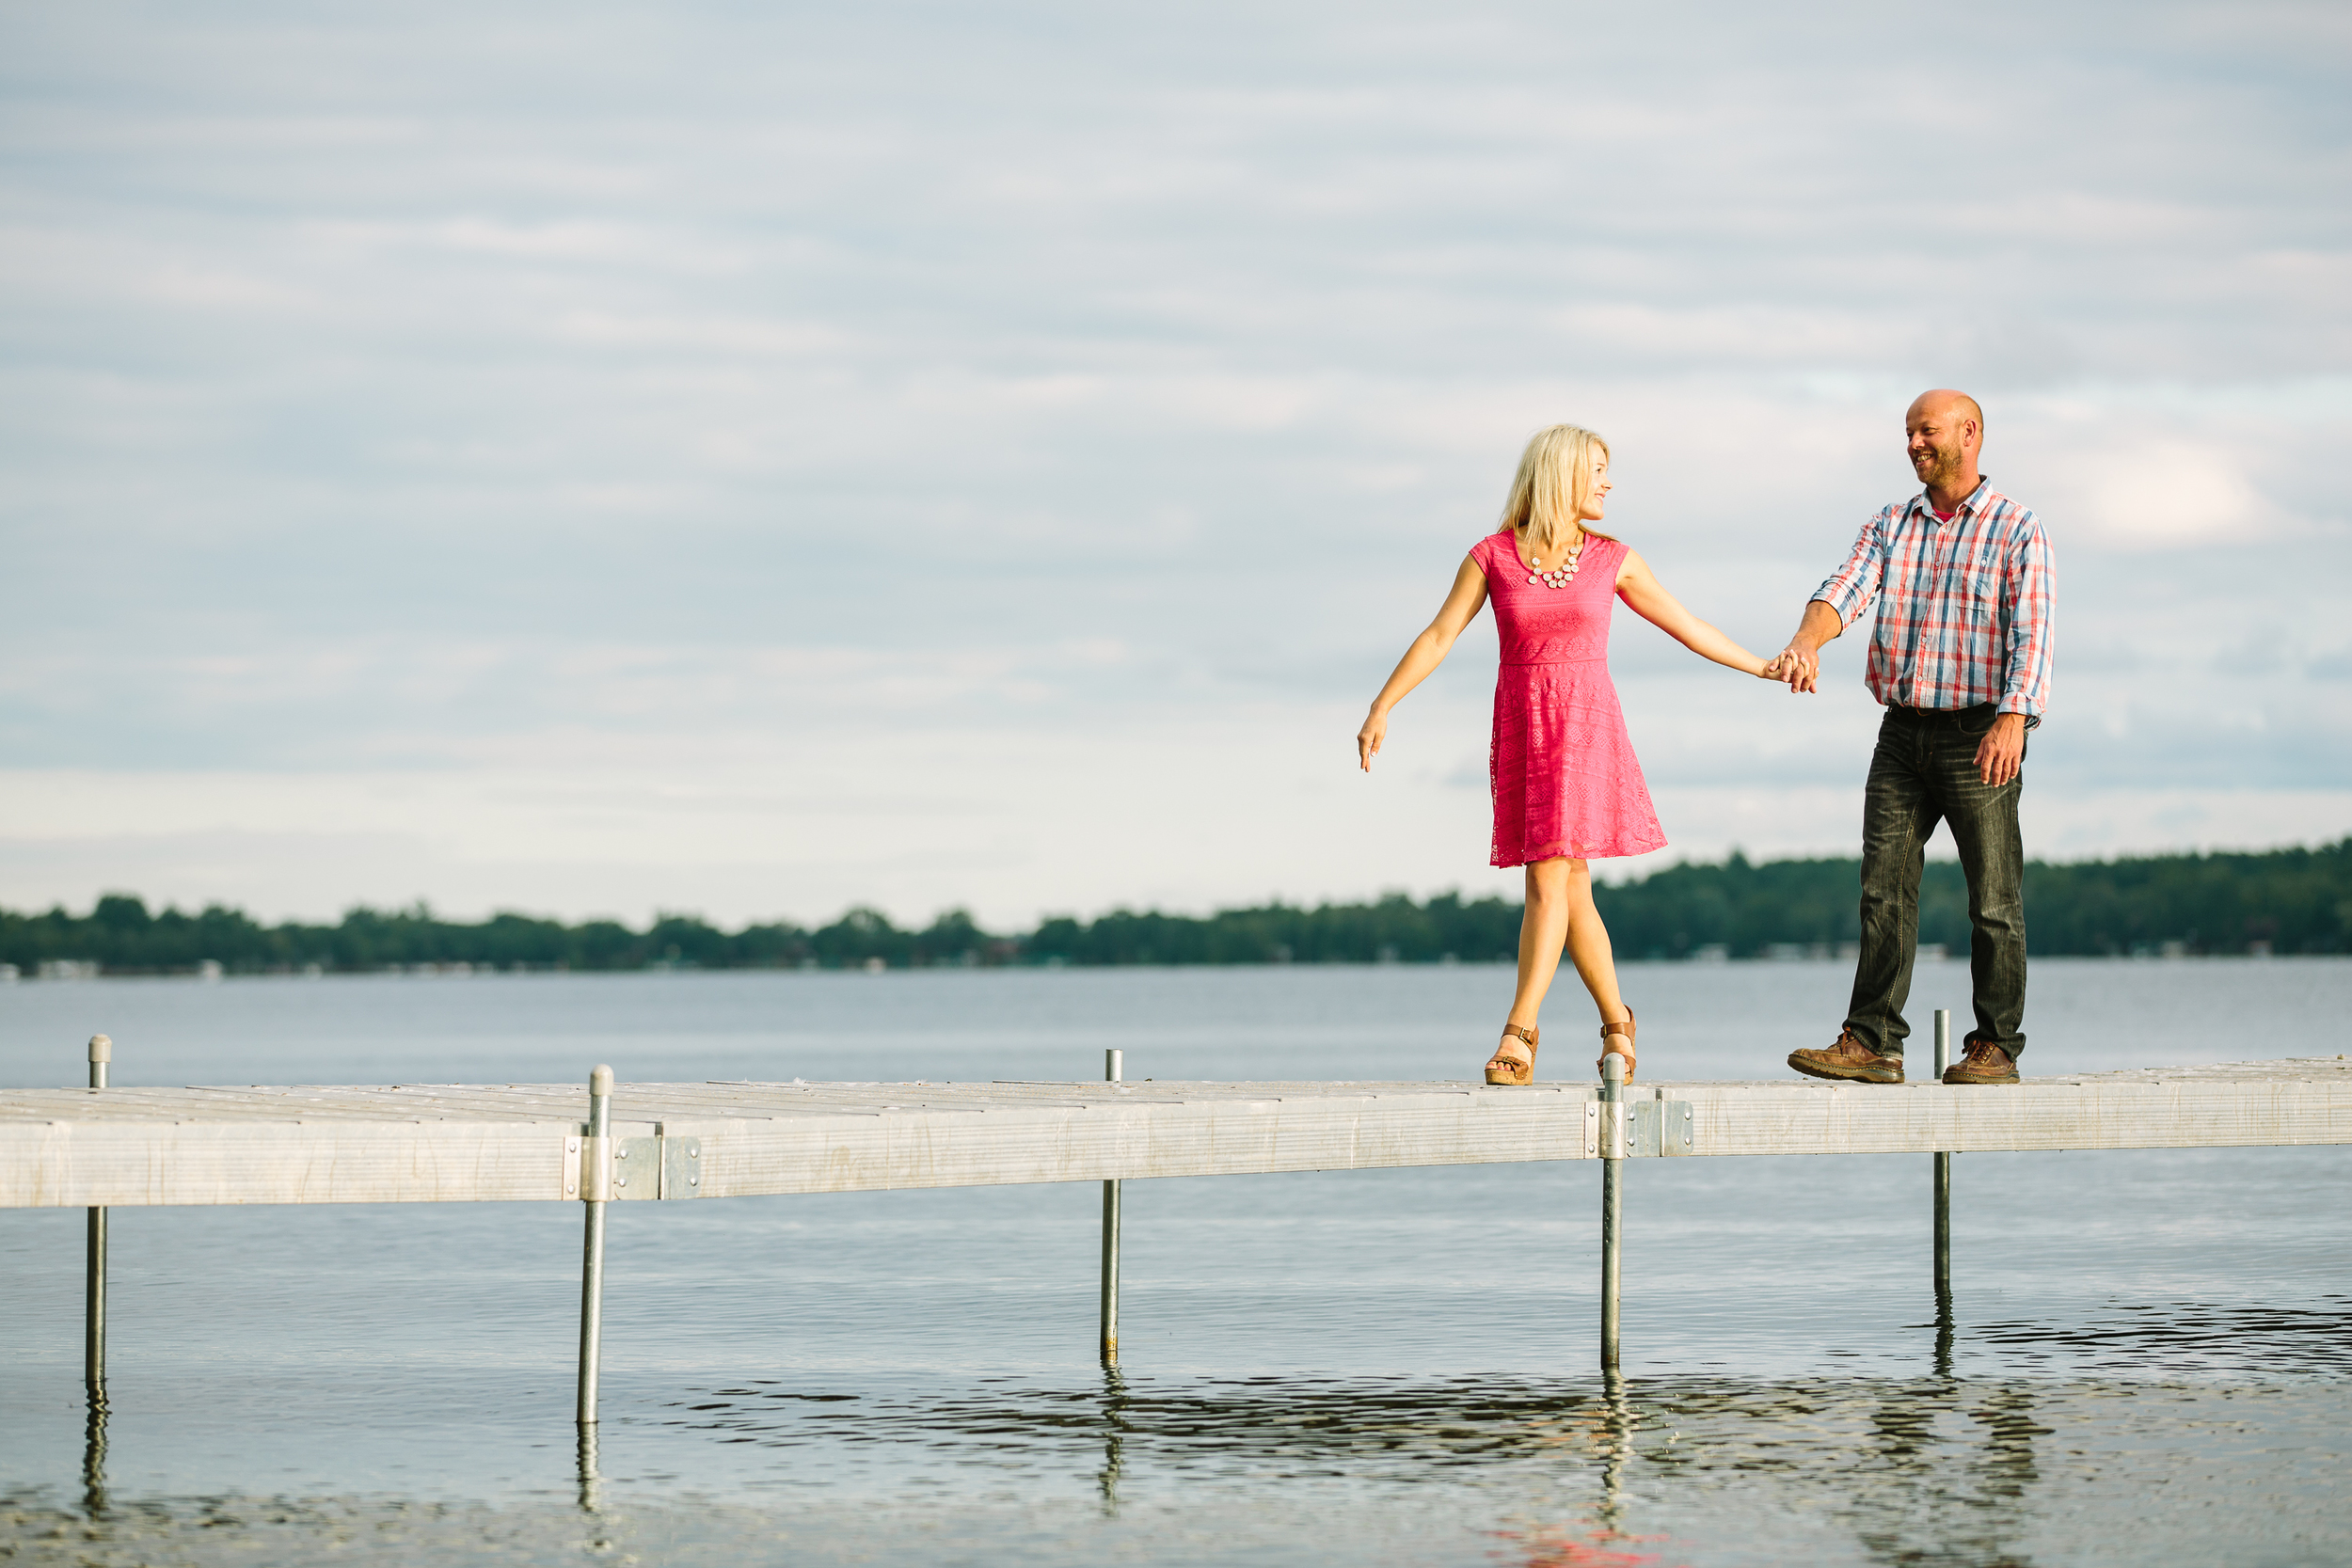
(1965, 606)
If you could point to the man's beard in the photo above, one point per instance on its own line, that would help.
(1943, 466)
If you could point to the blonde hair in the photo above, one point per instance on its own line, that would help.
(1554, 481)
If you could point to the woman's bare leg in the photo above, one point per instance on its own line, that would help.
(1543, 930)
(1559, 913)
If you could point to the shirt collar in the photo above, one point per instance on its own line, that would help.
(1969, 504)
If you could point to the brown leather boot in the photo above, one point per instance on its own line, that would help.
(1985, 1063)
(1850, 1060)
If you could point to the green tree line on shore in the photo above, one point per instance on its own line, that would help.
(2285, 901)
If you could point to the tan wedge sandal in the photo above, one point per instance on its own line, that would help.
(1510, 1070)
(1614, 1031)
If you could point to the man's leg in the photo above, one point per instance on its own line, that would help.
(1993, 853)
(1899, 812)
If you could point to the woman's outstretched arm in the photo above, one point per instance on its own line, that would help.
(1648, 597)
(1462, 605)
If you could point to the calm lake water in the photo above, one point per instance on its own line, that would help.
(2149, 1359)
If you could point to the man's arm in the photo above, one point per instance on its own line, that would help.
(2032, 593)
(2026, 672)
(1835, 605)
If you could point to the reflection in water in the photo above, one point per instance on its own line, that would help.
(591, 1484)
(1616, 1446)
(1114, 1437)
(94, 1454)
(1351, 1427)
(1932, 1471)
(1924, 1493)
(591, 1498)
(2183, 1340)
(1581, 1546)
(1944, 1330)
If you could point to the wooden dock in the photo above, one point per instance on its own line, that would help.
(440, 1143)
(102, 1147)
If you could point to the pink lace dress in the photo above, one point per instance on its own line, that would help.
(1565, 778)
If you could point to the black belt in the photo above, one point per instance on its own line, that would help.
(1959, 717)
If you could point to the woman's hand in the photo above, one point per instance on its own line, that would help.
(1772, 670)
(1368, 739)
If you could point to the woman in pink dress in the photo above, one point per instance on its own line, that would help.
(1567, 786)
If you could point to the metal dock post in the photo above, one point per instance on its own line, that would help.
(1943, 1170)
(1113, 1065)
(102, 1052)
(593, 1167)
(1612, 1199)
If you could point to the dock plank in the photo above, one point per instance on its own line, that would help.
(126, 1165)
(473, 1143)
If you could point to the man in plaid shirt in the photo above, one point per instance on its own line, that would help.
(1961, 658)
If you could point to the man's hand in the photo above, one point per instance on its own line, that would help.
(2002, 751)
(1799, 664)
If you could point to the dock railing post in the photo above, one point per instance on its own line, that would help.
(1612, 1199)
(1942, 1174)
(595, 1167)
(102, 1052)
(1113, 1065)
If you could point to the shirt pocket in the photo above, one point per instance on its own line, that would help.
(1978, 586)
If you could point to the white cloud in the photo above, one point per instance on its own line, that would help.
(411, 396)
(2165, 495)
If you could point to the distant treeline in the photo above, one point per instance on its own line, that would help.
(2285, 901)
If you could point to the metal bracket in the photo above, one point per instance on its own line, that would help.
(1639, 1129)
(1661, 1127)
(636, 1170)
(681, 1168)
(628, 1170)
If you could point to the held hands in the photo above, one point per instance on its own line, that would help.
(1797, 665)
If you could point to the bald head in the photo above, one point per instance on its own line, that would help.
(1944, 430)
(1945, 406)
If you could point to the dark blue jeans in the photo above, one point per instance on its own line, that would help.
(1924, 772)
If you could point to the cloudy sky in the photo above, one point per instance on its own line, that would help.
(750, 459)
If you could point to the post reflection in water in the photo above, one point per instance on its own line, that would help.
(1616, 1446)
(1114, 1436)
(591, 1484)
(1922, 1496)
(1931, 1464)
(1944, 1331)
(1600, 1541)
(94, 1455)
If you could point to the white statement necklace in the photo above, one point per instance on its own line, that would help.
(1560, 576)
